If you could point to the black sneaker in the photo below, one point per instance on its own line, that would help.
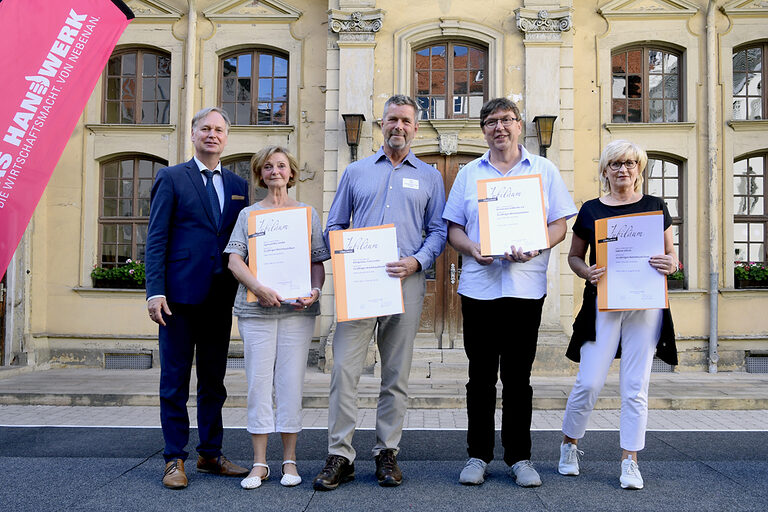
(337, 470)
(387, 471)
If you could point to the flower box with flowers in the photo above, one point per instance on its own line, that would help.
(129, 275)
(676, 280)
(750, 274)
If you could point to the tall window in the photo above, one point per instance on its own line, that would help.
(137, 87)
(241, 165)
(646, 86)
(449, 80)
(750, 222)
(126, 186)
(254, 87)
(663, 179)
(749, 97)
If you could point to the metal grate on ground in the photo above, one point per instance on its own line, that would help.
(660, 366)
(235, 363)
(757, 364)
(127, 361)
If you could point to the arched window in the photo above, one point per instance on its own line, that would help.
(646, 86)
(126, 186)
(254, 87)
(750, 222)
(449, 80)
(750, 100)
(137, 87)
(241, 165)
(663, 178)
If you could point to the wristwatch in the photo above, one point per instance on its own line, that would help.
(319, 292)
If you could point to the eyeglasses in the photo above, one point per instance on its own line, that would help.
(628, 164)
(506, 122)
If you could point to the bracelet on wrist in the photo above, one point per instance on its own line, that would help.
(319, 292)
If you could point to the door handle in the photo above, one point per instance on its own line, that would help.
(453, 273)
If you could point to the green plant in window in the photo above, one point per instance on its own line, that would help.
(128, 275)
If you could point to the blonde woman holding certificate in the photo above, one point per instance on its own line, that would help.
(276, 333)
(599, 336)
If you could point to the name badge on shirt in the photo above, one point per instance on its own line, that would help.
(411, 183)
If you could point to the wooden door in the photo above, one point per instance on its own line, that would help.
(441, 316)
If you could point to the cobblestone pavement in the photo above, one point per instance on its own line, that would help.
(442, 419)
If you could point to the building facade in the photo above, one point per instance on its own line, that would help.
(682, 78)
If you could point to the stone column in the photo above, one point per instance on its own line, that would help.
(349, 90)
(549, 91)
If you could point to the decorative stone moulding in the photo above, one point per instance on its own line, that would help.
(356, 22)
(533, 21)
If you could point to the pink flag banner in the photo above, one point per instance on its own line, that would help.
(53, 54)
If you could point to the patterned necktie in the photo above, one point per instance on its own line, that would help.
(213, 197)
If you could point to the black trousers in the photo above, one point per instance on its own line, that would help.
(500, 339)
(198, 332)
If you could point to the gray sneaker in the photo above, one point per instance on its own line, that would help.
(525, 475)
(473, 472)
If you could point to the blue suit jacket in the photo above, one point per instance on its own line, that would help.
(184, 245)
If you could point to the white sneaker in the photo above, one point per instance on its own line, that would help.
(473, 472)
(569, 459)
(525, 475)
(630, 474)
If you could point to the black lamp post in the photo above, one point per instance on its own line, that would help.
(544, 127)
(352, 125)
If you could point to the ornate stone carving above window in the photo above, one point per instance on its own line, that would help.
(543, 25)
(357, 25)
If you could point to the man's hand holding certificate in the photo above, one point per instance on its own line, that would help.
(625, 244)
(511, 213)
(278, 250)
(362, 285)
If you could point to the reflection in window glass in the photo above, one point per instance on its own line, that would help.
(750, 219)
(449, 80)
(137, 88)
(749, 97)
(126, 187)
(645, 86)
(259, 94)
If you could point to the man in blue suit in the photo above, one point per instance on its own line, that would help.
(190, 293)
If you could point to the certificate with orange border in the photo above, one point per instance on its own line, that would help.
(624, 244)
(279, 250)
(511, 211)
(362, 286)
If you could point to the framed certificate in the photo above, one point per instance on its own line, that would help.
(360, 280)
(279, 250)
(511, 212)
(624, 245)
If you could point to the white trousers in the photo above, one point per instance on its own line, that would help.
(639, 333)
(275, 356)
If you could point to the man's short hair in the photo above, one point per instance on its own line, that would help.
(495, 105)
(202, 113)
(402, 99)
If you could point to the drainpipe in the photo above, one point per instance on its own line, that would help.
(714, 244)
(189, 79)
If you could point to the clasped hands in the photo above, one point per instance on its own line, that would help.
(269, 298)
(515, 255)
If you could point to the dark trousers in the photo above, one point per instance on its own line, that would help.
(500, 338)
(199, 331)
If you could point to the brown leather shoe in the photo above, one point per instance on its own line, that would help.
(174, 476)
(337, 470)
(387, 471)
(220, 466)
